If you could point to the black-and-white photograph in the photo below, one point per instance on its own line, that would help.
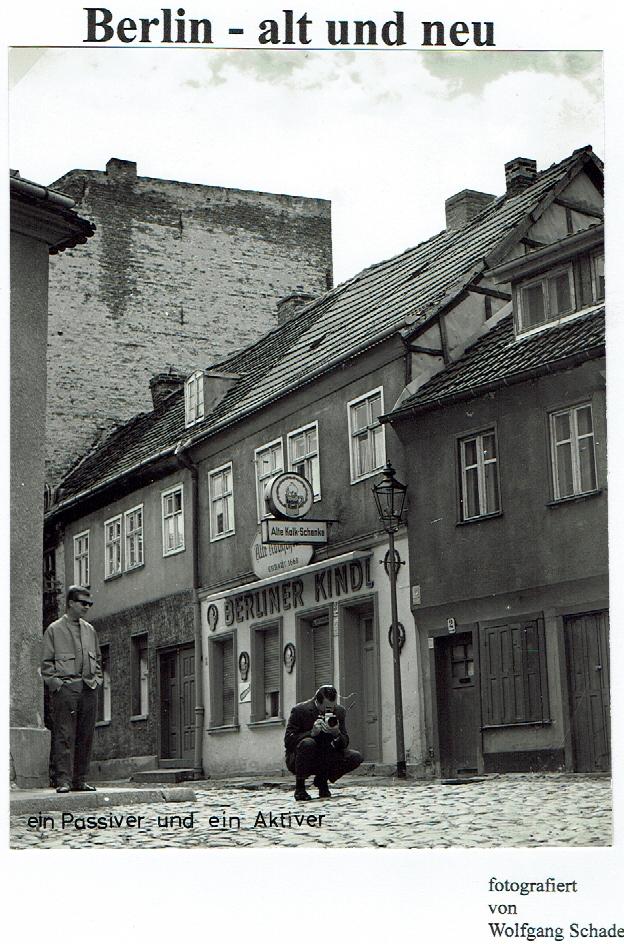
(308, 449)
(309, 540)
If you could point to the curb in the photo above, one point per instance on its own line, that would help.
(102, 799)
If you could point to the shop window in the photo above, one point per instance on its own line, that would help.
(140, 676)
(194, 398)
(104, 712)
(173, 520)
(479, 488)
(112, 547)
(221, 489)
(269, 463)
(514, 687)
(303, 456)
(572, 451)
(366, 435)
(266, 673)
(222, 682)
(134, 537)
(81, 559)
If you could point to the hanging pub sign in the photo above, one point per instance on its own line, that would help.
(289, 495)
(272, 560)
(285, 531)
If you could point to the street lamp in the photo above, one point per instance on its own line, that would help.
(390, 500)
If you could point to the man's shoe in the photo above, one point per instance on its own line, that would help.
(64, 788)
(302, 795)
(83, 788)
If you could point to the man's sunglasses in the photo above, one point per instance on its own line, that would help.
(84, 602)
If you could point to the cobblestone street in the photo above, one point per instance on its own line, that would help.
(521, 810)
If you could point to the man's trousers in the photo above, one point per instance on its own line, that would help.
(74, 722)
(322, 760)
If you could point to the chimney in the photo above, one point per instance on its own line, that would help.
(464, 206)
(118, 169)
(290, 304)
(162, 385)
(519, 174)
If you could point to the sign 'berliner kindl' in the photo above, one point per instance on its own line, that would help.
(290, 495)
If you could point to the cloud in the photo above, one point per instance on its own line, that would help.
(471, 72)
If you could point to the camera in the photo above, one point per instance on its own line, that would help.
(331, 720)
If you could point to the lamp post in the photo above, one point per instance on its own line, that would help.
(390, 500)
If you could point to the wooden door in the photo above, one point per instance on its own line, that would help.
(370, 685)
(587, 656)
(177, 704)
(359, 682)
(457, 704)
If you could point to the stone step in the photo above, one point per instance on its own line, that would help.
(164, 775)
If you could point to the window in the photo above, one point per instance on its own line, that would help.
(173, 520)
(547, 299)
(303, 456)
(269, 462)
(221, 492)
(81, 559)
(140, 676)
(480, 494)
(598, 276)
(194, 398)
(266, 673)
(368, 447)
(222, 682)
(572, 451)
(134, 537)
(112, 547)
(514, 686)
(104, 691)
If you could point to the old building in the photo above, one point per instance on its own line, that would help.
(509, 547)
(210, 636)
(177, 273)
(43, 221)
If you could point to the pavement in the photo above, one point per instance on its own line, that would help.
(496, 811)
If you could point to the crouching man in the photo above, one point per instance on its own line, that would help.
(316, 743)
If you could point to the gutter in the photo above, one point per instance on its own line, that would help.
(186, 463)
(542, 370)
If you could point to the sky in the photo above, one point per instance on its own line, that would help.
(385, 135)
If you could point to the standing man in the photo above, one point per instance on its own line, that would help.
(72, 670)
(316, 742)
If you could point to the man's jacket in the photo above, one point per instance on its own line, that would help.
(58, 666)
(301, 722)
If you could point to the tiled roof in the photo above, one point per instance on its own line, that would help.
(398, 294)
(498, 358)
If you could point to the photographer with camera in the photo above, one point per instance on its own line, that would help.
(317, 742)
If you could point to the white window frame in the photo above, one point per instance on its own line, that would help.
(262, 512)
(353, 437)
(194, 398)
(107, 712)
(81, 558)
(228, 497)
(542, 281)
(480, 467)
(128, 536)
(574, 440)
(594, 258)
(116, 519)
(164, 495)
(308, 458)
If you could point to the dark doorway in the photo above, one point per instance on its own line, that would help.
(360, 680)
(457, 704)
(177, 704)
(587, 656)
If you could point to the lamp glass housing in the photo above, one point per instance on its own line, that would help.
(390, 497)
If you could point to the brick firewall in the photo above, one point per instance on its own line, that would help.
(177, 275)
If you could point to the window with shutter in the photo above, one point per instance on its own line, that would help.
(222, 682)
(266, 672)
(513, 673)
(322, 655)
(228, 682)
(271, 672)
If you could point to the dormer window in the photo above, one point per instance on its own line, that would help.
(546, 299)
(194, 398)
